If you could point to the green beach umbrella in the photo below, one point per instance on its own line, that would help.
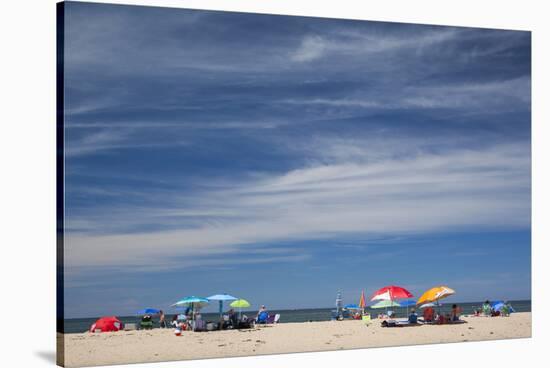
(240, 303)
(385, 304)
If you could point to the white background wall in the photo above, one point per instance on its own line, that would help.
(27, 181)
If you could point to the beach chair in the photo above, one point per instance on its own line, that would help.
(273, 318)
(262, 318)
(366, 319)
(146, 323)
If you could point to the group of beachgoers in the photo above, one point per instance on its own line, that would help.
(431, 315)
(488, 310)
(228, 320)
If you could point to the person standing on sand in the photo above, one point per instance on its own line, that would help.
(162, 320)
(455, 313)
(486, 308)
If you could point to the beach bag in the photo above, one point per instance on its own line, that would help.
(200, 325)
(211, 326)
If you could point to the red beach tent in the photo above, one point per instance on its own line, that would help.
(107, 324)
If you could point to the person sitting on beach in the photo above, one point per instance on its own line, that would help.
(429, 314)
(188, 313)
(455, 313)
(505, 310)
(174, 322)
(261, 310)
(232, 319)
(413, 317)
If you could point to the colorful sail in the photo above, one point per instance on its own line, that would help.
(362, 303)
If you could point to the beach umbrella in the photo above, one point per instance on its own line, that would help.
(352, 306)
(221, 298)
(407, 304)
(435, 294)
(498, 305)
(391, 293)
(240, 303)
(148, 311)
(194, 302)
(427, 305)
(385, 304)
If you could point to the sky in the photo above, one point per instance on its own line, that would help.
(283, 159)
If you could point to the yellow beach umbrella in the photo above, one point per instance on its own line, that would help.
(240, 303)
(435, 294)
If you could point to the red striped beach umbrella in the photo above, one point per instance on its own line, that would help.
(391, 293)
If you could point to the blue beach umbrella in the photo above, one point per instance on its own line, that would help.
(407, 303)
(194, 302)
(352, 306)
(497, 306)
(148, 311)
(222, 298)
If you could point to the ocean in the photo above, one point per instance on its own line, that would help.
(77, 325)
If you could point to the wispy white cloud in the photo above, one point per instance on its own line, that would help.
(482, 188)
(351, 42)
(312, 48)
(483, 96)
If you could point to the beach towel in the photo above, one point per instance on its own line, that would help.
(393, 323)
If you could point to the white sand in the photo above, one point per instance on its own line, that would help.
(88, 349)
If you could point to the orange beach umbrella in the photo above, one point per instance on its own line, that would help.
(435, 294)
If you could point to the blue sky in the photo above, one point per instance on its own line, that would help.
(282, 159)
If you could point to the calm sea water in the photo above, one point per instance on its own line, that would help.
(76, 325)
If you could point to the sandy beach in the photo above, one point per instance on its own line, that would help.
(86, 349)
